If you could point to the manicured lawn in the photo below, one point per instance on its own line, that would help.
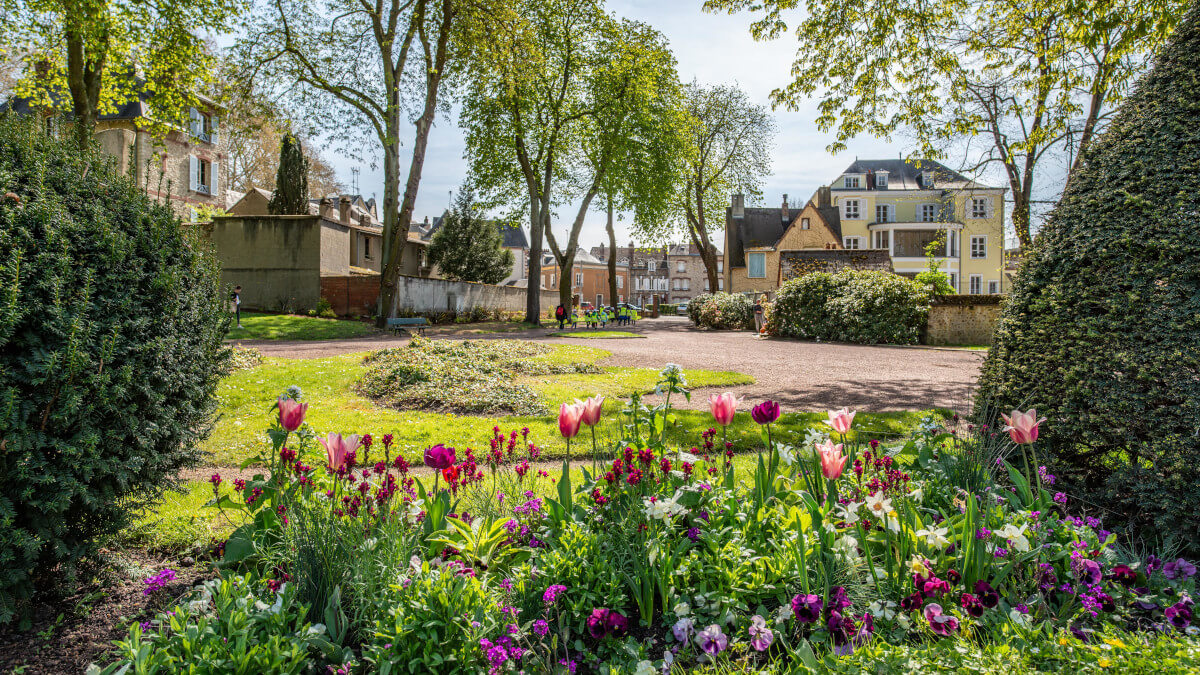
(246, 397)
(179, 521)
(598, 334)
(261, 326)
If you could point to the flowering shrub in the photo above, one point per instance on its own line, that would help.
(850, 306)
(722, 311)
(655, 557)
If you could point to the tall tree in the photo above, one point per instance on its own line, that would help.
(354, 68)
(89, 57)
(469, 247)
(291, 182)
(523, 108)
(727, 147)
(1010, 83)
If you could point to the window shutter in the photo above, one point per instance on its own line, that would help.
(194, 123)
(213, 121)
(193, 172)
(214, 176)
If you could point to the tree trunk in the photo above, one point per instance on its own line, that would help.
(612, 255)
(533, 294)
(83, 78)
(393, 238)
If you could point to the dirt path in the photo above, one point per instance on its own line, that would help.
(799, 375)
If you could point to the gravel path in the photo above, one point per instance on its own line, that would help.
(799, 375)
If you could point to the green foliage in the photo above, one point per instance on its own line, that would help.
(259, 326)
(224, 627)
(290, 197)
(850, 306)
(937, 281)
(111, 322)
(461, 376)
(467, 247)
(1102, 330)
(722, 311)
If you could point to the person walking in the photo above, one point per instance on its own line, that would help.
(758, 315)
(560, 313)
(235, 304)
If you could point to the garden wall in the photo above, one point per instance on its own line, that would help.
(357, 294)
(275, 259)
(963, 320)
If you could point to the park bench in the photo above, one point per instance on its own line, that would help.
(419, 323)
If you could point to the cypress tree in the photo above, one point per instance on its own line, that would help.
(1102, 330)
(291, 182)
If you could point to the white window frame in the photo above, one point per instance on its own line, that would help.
(579, 279)
(927, 179)
(620, 281)
(993, 286)
(975, 284)
(687, 284)
(650, 266)
(953, 280)
(981, 240)
(851, 209)
(881, 179)
(552, 280)
(850, 182)
(805, 223)
(852, 243)
(681, 267)
(980, 207)
(599, 299)
(882, 239)
(888, 213)
(720, 284)
(762, 257)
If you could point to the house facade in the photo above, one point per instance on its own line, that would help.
(590, 279)
(182, 169)
(688, 276)
(513, 240)
(907, 207)
(649, 272)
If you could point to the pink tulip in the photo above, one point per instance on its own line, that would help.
(291, 413)
(841, 420)
(1023, 426)
(833, 462)
(338, 447)
(590, 408)
(569, 417)
(724, 407)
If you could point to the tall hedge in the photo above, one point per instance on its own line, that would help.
(1102, 330)
(111, 327)
(850, 306)
(722, 311)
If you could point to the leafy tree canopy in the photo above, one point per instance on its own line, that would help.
(468, 247)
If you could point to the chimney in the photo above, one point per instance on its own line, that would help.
(786, 217)
(739, 206)
(824, 197)
(344, 210)
(325, 208)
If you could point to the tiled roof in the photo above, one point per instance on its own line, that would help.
(904, 174)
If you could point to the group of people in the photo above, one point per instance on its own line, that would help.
(594, 317)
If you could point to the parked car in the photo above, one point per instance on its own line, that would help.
(681, 310)
(632, 306)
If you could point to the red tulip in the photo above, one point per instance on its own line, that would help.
(833, 462)
(1022, 426)
(841, 420)
(338, 448)
(765, 412)
(590, 410)
(724, 407)
(291, 413)
(569, 418)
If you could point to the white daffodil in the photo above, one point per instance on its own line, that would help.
(883, 610)
(878, 505)
(847, 547)
(849, 512)
(1016, 536)
(892, 520)
(917, 495)
(664, 509)
(785, 454)
(934, 536)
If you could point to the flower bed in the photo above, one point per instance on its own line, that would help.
(650, 557)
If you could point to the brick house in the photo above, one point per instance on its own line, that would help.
(183, 168)
(591, 278)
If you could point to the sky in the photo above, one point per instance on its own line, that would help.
(710, 48)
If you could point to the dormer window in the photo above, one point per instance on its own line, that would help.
(927, 179)
(881, 180)
(850, 182)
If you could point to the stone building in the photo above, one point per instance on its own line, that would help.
(688, 276)
(183, 168)
(649, 271)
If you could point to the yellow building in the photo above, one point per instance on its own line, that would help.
(905, 206)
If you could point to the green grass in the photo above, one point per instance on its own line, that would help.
(246, 397)
(261, 326)
(598, 334)
(179, 521)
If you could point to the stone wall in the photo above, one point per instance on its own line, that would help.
(963, 320)
(275, 259)
(418, 294)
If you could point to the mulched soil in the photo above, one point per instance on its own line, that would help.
(71, 632)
